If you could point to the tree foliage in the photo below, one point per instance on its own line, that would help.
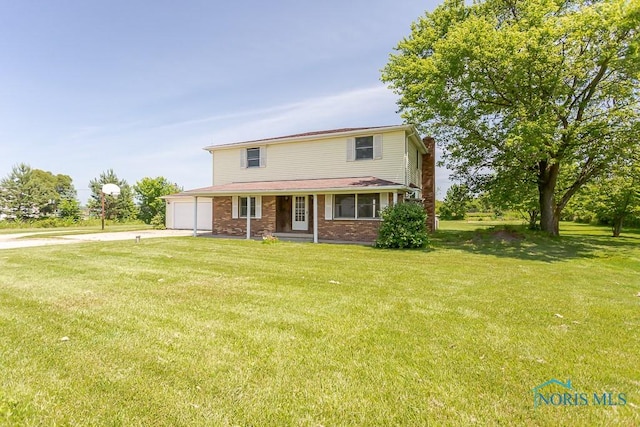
(27, 194)
(456, 203)
(119, 207)
(148, 192)
(615, 197)
(403, 226)
(541, 94)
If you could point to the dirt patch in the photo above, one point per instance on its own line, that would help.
(506, 236)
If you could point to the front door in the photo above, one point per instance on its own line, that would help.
(300, 213)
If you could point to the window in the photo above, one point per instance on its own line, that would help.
(368, 205)
(345, 206)
(253, 158)
(243, 207)
(357, 206)
(364, 147)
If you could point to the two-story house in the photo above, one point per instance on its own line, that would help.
(328, 185)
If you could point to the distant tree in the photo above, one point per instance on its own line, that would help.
(614, 198)
(28, 193)
(120, 207)
(456, 203)
(541, 89)
(148, 192)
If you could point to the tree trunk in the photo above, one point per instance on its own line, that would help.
(617, 226)
(549, 215)
(533, 219)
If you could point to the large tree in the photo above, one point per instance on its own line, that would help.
(28, 193)
(119, 207)
(524, 91)
(148, 192)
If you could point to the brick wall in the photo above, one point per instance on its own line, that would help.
(429, 182)
(345, 229)
(224, 224)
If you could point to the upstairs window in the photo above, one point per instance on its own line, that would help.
(253, 158)
(364, 147)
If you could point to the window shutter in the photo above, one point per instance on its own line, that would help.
(328, 206)
(259, 205)
(384, 200)
(263, 157)
(377, 146)
(234, 207)
(243, 157)
(351, 149)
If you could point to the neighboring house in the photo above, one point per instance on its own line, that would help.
(327, 185)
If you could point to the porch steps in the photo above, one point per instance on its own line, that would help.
(295, 237)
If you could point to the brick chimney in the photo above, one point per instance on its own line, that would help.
(429, 182)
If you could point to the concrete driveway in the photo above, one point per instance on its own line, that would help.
(13, 241)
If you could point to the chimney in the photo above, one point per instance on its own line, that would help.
(429, 182)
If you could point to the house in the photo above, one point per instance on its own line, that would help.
(328, 185)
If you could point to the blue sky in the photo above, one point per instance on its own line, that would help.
(142, 86)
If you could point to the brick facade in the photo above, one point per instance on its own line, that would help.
(224, 224)
(339, 229)
(345, 229)
(429, 183)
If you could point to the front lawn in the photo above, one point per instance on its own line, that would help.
(200, 331)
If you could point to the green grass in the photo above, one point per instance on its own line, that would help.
(202, 331)
(83, 229)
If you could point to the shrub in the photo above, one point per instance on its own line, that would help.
(403, 226)
(158, 222)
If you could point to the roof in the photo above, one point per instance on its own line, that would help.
(318, 135)
(344, 185)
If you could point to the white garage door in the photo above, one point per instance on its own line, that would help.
(182, 218)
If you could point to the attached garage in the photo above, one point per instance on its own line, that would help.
(180, 213)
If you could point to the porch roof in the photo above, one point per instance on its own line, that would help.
(330, 185)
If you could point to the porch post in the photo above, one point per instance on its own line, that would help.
(315, 218)
(195, 217)
(248, 217)
(395, 197)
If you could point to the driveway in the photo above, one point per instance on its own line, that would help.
(13, 241)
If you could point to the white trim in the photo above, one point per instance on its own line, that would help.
(258, 207)
(377, 147)
(384, 200)
(243, 158)
(195, 217)
(328, 206)
(235, 207)
(410, 129)
(248, 217)
(351, 149)
(263, 156)
(315, 218)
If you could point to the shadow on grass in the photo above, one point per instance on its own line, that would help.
(517, 242)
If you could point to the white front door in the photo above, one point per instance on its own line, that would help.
(300, 214)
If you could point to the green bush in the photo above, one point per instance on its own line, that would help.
(403, 226)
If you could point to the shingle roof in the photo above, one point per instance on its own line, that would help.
(305, 135)
(310, 185)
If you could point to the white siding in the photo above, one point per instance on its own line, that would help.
(415, 174)
(313, 159)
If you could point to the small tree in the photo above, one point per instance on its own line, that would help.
(148, 192)
(456, 202)
(403, 226)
